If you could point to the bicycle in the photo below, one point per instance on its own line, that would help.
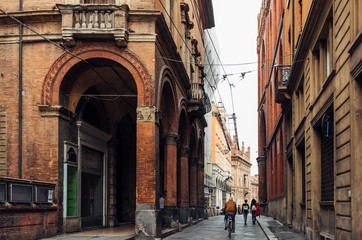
(230, 226)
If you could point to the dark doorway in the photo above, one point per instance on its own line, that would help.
(126, 169)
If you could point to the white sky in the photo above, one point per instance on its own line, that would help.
(236, 29)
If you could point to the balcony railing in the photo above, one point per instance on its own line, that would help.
(94, 21)
(281, 82)
(199, 102)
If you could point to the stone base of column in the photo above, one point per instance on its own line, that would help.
(171, 216)
(147, 223)
(200, 212)
(194, 213)
(184, 214)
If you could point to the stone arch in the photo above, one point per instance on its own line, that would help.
(124, 57)
(167, 93)
(166, 75)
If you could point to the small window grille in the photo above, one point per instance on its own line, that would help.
(3, 196)
(21, 193)
(327, 168)
(44, 195)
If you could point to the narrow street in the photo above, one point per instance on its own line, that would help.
(213, 228)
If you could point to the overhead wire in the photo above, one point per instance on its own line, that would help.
(207, 56)
(62, 47)
(227, 64)
(182, 38)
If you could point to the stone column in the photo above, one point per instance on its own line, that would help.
(193, 186)
(184, 178)
(146, 215)
(171, 213)
(185, 197)
(262, 183)
(193, 181)
(200, 189)
(171, 169)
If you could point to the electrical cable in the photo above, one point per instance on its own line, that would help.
(59, 46)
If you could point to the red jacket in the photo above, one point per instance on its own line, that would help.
(257, 213)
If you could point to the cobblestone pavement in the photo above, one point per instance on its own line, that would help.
(213, 228)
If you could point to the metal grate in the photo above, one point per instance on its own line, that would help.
(327, 168)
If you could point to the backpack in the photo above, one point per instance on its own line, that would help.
(245, 207)
(253, 208)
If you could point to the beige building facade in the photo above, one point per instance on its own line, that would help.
(322, 106)
(241, 184)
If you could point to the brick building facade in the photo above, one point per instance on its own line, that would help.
(271, 157)
(101, 112)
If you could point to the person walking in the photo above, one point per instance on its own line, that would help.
(257, 211)
(245, 208)
(253, 210)
(230, 210)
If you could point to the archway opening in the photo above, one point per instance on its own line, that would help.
(103, 96)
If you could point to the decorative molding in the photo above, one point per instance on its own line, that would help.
(171, 139)
(321, 111)
(261, 160)
(56, 111)
(147, 114)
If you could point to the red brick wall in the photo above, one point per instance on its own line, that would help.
(27, 224)
(145, 167)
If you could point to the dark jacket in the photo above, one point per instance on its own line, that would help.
(245, 208)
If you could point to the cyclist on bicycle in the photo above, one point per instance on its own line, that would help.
(230, 210)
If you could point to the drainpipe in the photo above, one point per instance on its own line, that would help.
(20, 93)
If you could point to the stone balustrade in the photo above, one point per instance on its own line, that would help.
(94, 21)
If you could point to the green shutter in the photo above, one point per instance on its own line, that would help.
(72, 191)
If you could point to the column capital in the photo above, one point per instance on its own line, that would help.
(171, 138)
(147, 114)
(261, 160)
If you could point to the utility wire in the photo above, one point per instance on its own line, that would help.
(183, 41)
(227, 64)
(59, 46)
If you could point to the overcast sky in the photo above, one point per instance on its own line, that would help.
(236, 29)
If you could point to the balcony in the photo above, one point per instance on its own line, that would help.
(94, 21)
(198, 101)
(281, 81)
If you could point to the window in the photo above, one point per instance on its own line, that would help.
(323, 54)
(327, 158)
(3, 197)
(21, 193)
(44, 195)
(301, 151)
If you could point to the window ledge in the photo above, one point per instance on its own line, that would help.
(326, 203)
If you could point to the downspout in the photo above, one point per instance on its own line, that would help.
(20, 93)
